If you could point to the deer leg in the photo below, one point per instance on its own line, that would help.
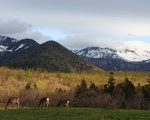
(6, 107)
(18, 104)
(41, 104)
(46, 104)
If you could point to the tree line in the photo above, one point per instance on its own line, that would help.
(123, 95)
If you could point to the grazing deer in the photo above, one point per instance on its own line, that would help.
(13, 101)
(44, 102)
(63, 103)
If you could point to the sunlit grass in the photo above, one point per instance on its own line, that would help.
(15, 80)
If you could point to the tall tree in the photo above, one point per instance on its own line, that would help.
(110, 86)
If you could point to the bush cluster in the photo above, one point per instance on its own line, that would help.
(123, 95)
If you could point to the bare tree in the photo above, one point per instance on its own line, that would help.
(13, 101)
(63, 103)
(44, 102)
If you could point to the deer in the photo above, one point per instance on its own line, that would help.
(63, 103)
(13, 101)
(44, 102)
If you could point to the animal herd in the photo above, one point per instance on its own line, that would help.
(44, 102)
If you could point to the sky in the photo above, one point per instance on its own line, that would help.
(76, 24)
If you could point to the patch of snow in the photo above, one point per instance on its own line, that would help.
(20, 47)
(127, 54)
(3, 48)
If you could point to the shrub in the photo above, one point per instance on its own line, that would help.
(30, 97)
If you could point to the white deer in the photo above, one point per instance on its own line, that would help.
(13, 101)
(44, 102)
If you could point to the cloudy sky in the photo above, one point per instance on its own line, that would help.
(76, 24)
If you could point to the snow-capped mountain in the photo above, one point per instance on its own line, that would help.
(8, 44)
(127, 55)
(10, 47)
(110, 59)
(104, 58)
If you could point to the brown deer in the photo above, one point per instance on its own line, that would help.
(13, 101)
(44, 102)
(63, 103)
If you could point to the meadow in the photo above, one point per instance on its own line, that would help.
(74, 114)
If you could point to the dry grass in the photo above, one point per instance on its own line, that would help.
(14, 81)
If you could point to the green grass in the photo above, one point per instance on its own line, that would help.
(73, 114)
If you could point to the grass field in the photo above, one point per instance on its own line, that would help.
(73, 114)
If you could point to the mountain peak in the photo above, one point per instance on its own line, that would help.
(51, 43)
(110, 59)
(8, 44)
(50, 56)
(127, 54)
(4, 40)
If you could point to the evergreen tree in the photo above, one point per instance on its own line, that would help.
(110, 86)
(81, 88)
(127, 87)
(146, 91)
(93, 87)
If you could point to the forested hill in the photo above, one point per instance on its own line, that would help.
(50, 56)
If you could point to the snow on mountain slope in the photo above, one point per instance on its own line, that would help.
(97, 52)
(5, 42)
(128, 55)
(134, 55)
(11, 45)
(2, 48)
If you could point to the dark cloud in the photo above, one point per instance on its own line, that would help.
(104, 7)
(13, 27)
(110, 19)
(21, 30)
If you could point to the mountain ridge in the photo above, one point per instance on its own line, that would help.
(127, 54)
(110, 59)
(28, 53)
(8, 44)
(50, 56)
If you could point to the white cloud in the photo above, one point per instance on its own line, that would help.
(36, 35)
(84, 22)
(137, 45)
(94, 17)
(80, 42)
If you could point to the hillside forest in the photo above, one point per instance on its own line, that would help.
(103, 89)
